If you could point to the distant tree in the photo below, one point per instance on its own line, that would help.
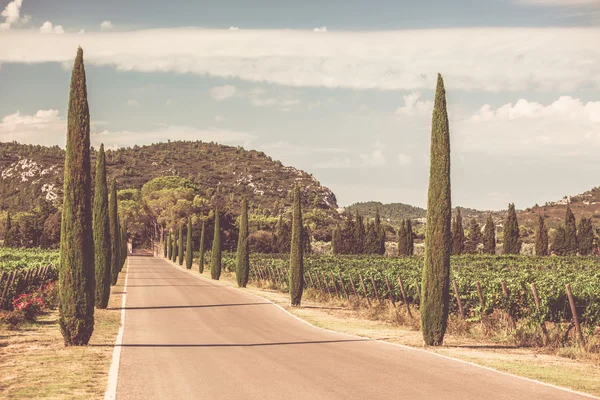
(11, 234)
(165, 246)
(458, 234)
(489, 236)
(201, 250)
(474, 237)
(113, 220)
(585, 235)
(281, 236)
(570, 232)
(512, 242)
(180, 252)
(243, 255)
(175, 247)
(170, 246)
(336, 240)
(410, 238)
(189, 249)
(380, 234)
(296, 273)
(359, 235)
(101, 231)
(402, 239)
(215, 265)
(541, 238)
(558, 242)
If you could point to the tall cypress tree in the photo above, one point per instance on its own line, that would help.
(570, 232)
(458, 235)
(489, 236)
(436, 268)
(512, 243)
(402, 239)
(76, 277)
(410, 240)
(585, 236)
(558, 242)
(101, 228)
(541, 238)
(201, 255)
(169, 246)
(359, 234)
(114, 233)
(165, 246)
(189, 251)
(175, 246)
(296, 274)
(215, 259)
(180, 250)
(124, 249)
(474, 237)
(335, 240)
(243, 255)
(380, 233)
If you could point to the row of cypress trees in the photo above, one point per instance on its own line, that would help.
(569, 239)
(353, 237)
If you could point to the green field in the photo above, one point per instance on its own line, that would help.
(23, 259)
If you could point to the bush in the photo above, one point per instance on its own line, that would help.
(30, 304)
(260, 242)
(12, 319)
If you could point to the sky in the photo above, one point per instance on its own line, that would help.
(340, 89)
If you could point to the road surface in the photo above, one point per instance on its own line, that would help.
(190, 338)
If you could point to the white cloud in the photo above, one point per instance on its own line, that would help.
(322, 29)
(81, 32)
(133, 103)
(258, 98)
(12, 15)
(106, 25)
(374, 158)
(414, 106)
(404, 159)
(47, 27)
(221, 93)
(44, 127)
(234, 28)
(507, 59)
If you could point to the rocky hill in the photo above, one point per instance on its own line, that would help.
(30, 172)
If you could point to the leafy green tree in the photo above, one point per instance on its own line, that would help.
(458, 235)
(201, 255)
(570, 232)
(410, 238)
(541, 238)
(113, 221)
(558, 242)
(296, 274)
(438, 239)
(215, 264)
(585, 235)
(180, 242)
(402, 239)
(512, 242)
(101, 229)
(189, 250)
(489, 236)
(474, 237)
(76, 277)
(243, 255)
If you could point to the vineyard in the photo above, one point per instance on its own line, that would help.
(479, 284)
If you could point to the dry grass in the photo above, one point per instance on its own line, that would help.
(36, 364)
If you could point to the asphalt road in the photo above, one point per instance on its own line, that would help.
(190, 338)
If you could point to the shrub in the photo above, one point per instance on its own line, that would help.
(12, 319)
(260, 242)
(30, 304)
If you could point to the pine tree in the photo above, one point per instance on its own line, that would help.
(201, 255)
(436, 269)
(489, 236)
(189, 251)
(410, 238)
(169, 246)
(558, 242)
(296, 275)
(215, 264)
(402, 239)
(512, 243)
(165, 246)
(101, 229)
(585, 236)
(76, 277)
(570, 232)
(474, 237)
(541, 238)
(458, 235)
(243, 255)
(180, 241)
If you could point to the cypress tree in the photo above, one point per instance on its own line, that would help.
(76, 278)
(180, 250)
(474, 237)
(512, 243)
(296, 274)
(410, 240)
(215, 260)
(570, 232)
(101, 228)
(165, 246)
(169, 246)
(585, 236)
(114, 233)
(458, 235)
(402, 239)
(201, 256)
(380, 233)
(558, 242)
(175, 246)
(489, 236)
(335, 240)
(541, 238)
(243, 255)
(436, 268)
(359, 234)
(124, 243)
(189, 251)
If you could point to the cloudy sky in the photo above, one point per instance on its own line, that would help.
(340, 88)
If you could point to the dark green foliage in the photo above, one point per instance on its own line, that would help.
(169, 246)
(336, 239)
(189, 250)
(436, 268)
(165, 246)
(124, 242)
(101, 228)
(458, 235)
(402, 239)
(215, 259)
(243, 255)
(281, 236)
(541, 238)
(180, 242)
(380, 234)
(201, 256)
(11, 234)
(489, 236)
(359, 235)
(512, 242)
(175, 247)
(76, 273)
(410, 239)
(571, 245)
(474, 237)
(296, 275)
(113, 221)
(558, 242)
(585, 236)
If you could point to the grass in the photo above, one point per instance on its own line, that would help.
(36, 364)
